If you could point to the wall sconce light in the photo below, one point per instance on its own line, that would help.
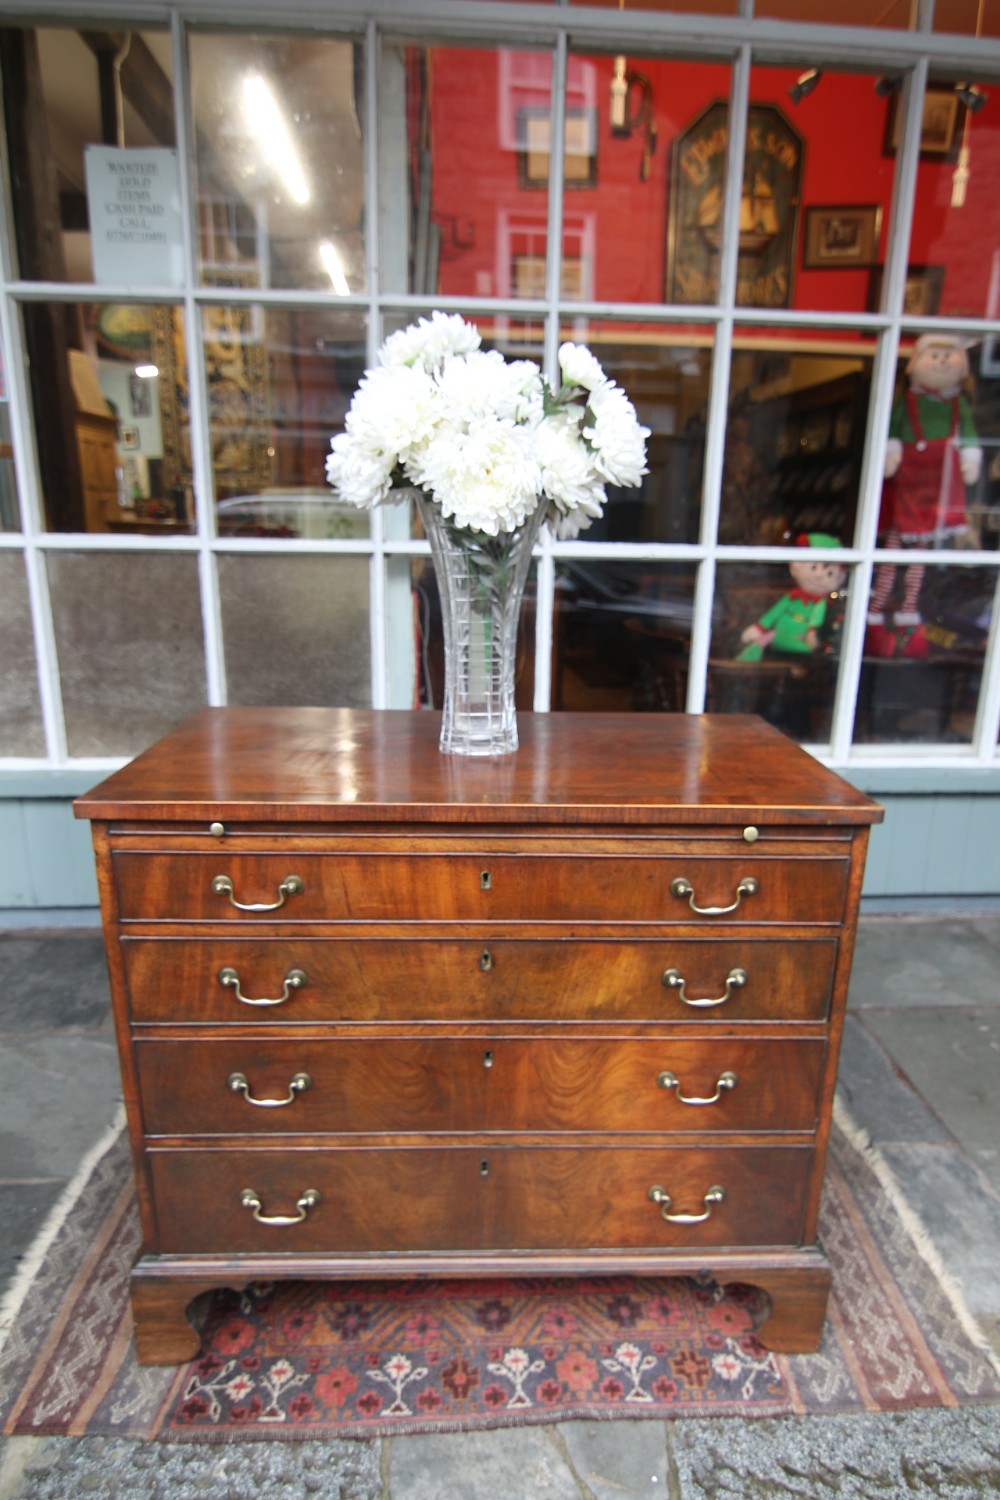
(632, 109)
(971, 96)
(804, 85)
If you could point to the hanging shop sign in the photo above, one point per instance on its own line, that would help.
(769, 208)
(134, 203)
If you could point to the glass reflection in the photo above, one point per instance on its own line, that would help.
(658, 130)
(665, 373)
(109, 393)
(776, 636)
(280, 381)
(133, 667)
(621, 635)
(954, 255)
(56, 83)
(315, 648)
(795, 154)
(795, 439)
(280, 160)
(21, 731)
(920, 682)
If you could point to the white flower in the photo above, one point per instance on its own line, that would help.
(430, 341)
(614, 434)
(568, 476)
(485, 437)
(579, 367)
(360, 475)
(487, 478)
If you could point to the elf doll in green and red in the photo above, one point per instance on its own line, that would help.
(932, 454)
(793, 625)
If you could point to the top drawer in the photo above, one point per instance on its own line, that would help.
(471, 887)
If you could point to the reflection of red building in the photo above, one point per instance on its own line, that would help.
(491, 211)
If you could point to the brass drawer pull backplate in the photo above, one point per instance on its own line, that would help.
(727, 1080)
(662, 1197)
(673, 979)
(250, 1199)
(748, 886)
(238, 1083)
(292, 885)
(294, 980)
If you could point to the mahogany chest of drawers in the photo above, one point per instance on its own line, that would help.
(386, 1012)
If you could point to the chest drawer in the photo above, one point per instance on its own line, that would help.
(453, 1198)
(420, 1084)
(307, 980)
(353, 887)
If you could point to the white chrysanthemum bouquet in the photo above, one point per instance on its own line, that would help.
(486, 439)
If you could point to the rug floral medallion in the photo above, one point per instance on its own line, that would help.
(359, 1359)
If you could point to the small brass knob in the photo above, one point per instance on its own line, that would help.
(217, 830)
(751, 835)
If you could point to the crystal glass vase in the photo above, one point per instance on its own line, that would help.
(481, 582)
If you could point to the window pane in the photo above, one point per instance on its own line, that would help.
(296, 630)
(797, 414)
(665, 372)
(10, 510)
(67, 90)
(279, 384)
(21, 730)
(109, 392)
(464, 160)
(943, 459)
(279, 160)
(130, 647)
(621, 635)
(920, 682)
(776, 642)
(954, 258)
(644, 225)
(796, 156)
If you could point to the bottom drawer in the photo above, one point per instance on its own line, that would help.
(475, 1198)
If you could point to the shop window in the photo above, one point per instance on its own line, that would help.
(954, 253)
(621, 635)
(279, 156)
(920, 680)
(128, 635)
(798, 406)
(20, 711)
(296, 629)
(70, 95)
(817, 189)
(665, 371)
(656, 188)
(110, 395)
(776, 635)
(279, 382)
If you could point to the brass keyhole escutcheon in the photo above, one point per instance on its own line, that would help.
(487, 1059)
(486, 960)
(485, 880)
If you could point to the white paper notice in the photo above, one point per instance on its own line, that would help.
(135, 216)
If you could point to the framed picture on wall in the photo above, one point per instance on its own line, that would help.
(939, 128)
(839, 236)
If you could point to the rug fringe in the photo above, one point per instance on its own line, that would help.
(860, 1139)
(31, 1263)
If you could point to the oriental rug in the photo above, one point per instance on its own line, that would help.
(360, 1359)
